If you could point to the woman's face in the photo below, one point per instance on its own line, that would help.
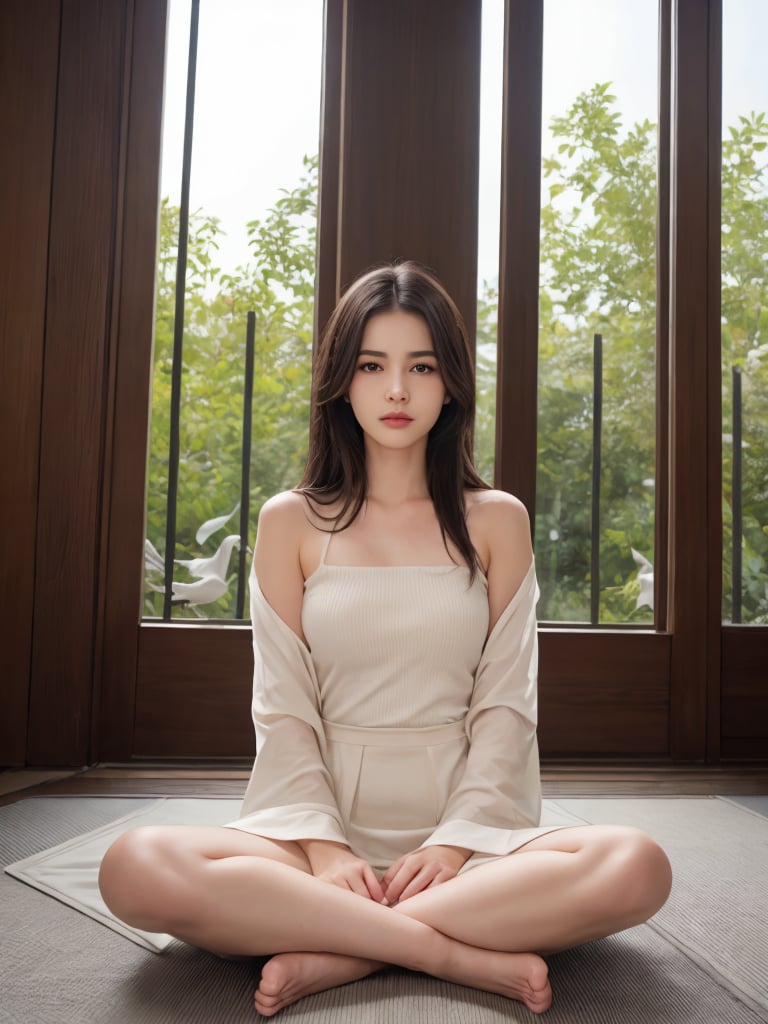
(397, 391)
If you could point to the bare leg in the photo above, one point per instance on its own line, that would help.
(560, 890)
(567, 887)
(234, 893)
(220, 890)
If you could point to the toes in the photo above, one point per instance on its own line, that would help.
(267, 1005)
(273, 981)
(539, 999)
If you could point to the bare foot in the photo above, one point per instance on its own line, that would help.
(289, 976)
(521, 976)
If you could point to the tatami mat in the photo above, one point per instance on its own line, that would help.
(60, 966)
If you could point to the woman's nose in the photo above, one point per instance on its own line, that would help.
(396, 391)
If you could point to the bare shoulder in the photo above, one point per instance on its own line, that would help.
(496, 518)
(290, 502)
(494, 505)
(500, 530)
(283, 526)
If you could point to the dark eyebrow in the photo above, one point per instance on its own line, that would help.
(383, 355)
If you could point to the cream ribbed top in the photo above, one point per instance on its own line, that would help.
(395, 646)
(397, 656)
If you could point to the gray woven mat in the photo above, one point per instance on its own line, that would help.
(57, 965)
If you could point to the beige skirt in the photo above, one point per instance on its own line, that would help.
(392, 785)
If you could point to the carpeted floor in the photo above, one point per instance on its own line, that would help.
(702, 959)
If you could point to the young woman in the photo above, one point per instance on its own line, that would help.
(392, 816)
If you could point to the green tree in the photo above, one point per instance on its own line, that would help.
(598, 268)
(277, 284)
(597, 277)
(485, 374)
(745, 346)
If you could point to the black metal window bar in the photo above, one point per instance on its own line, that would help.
(177, 363)
(597, 445)
(737, 525)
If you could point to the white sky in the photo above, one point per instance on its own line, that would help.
(258, 93)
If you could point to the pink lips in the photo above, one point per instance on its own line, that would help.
(396, 420)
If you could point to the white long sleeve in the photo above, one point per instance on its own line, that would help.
(290, 790)
(500, 789)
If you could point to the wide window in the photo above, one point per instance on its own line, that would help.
(745, 312)
(595, 485)
(234, 293)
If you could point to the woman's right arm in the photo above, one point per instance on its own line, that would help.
(283, 528)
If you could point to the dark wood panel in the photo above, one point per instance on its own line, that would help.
(193, 697)
(29, 41)
(603, 694)
(411, 102)
(744, 693)
(751, 748)
(518, 324)
(694, 568)
(745, 716)
(131, 353)
(78, 314)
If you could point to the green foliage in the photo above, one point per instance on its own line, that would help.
(598, 242)
(745, 346)
(485, 376)
(598, 268)
(277, 283)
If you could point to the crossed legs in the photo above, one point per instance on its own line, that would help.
(237, 894)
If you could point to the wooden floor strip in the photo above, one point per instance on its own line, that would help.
(558, 779)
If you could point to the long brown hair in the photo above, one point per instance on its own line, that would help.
(335, 468)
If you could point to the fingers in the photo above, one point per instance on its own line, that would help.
(374, 887)
(420, 870)
(391, 871)
(358, 877)
(396, 881)
(412, 878)
(358, 886)
(420, 881)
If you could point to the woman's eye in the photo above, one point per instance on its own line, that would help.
(423, 368)
(369, 367)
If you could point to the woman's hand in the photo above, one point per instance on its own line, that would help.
(423, 868)
(336, 864)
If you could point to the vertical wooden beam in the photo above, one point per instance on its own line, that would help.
(714, 396)
(130, 340)
(29, 45)
(75, 371)
(326, 284)
(410, 130)
(518, 330)
(694, 555)
(661, 506)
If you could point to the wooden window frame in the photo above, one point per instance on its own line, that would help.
(693, 690)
